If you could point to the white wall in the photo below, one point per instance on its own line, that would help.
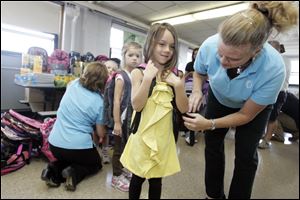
(36, 15)
(83, 30)
(86, 31)
(90, 32)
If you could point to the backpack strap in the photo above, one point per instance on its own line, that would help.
(19, 156)
(137, 117)
(176, 114)
(176, 117)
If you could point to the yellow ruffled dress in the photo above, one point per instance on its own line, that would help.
(151, 151)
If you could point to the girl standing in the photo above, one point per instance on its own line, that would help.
(150, 153)
(132, 57)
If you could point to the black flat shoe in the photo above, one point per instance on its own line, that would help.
(47, 176)
(69, 174)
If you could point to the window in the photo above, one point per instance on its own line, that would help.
(120, 35)
(294, 76)
(116, 43)
(18, 39)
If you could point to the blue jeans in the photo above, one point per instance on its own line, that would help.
(246, 160)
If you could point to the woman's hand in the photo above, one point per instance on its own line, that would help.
(99, 134)
(196, 122)
(195, 101)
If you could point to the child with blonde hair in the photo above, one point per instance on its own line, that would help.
(131, 58)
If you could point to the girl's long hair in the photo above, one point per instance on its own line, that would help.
(154, 35)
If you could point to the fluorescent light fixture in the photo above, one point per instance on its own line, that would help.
(16, 29)
(220, 12)
(178, 20)
(207, 14)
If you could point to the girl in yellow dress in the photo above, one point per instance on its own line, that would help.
(151, 153)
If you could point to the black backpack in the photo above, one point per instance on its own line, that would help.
(177, 116)
(109, 98)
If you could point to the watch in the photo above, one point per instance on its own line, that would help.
(213, 124)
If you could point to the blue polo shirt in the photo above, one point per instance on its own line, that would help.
(78, 111)
(260, 81)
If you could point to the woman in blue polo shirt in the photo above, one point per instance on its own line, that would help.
(245, 75)
(71, 139)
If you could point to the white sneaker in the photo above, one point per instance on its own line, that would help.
(182, 133)
(187, 139)
(120, 182)
(278, 137)
(263, 144)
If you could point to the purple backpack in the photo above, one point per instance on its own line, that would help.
(38, 51)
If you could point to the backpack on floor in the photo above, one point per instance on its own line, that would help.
(23, 126)
(21, 139)
(15, 151)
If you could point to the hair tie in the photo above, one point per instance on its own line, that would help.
(265, 12)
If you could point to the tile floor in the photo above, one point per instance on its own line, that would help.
(277, 176)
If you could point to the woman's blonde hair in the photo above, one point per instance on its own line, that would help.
(255, 24)
(126, 47)
(94, 77)
(154, 35)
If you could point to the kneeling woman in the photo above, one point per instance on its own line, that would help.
(71, 139)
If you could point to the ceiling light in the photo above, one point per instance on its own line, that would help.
(207, 14)
(220, 12)
(178, 20)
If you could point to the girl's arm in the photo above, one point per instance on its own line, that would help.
(119, 86)
(141, 82)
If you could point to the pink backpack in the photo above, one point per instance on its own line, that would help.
(32, 122)
(40, 130)
(58, 61)
(15, 150)
(16, 161)
(45, 130)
